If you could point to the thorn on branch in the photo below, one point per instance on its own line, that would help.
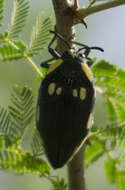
(76, 5)
(72, 11)
(75, 9)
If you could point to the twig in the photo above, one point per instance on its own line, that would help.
(30, 61)
(76, 171)
(84, 12)
(64, 23)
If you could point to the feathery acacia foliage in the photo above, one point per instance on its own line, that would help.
(6, 125)
(40, 35)
(20, 113)
(110, 140)
(111, 80)
(20, 13)
(1, 10)
(22, 108)
(10, 53)
(11, 49)
(36, 144)
(14, 159)
(59, 184)
(13, 124)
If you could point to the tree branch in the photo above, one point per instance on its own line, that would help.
(84, 12)
(64, 22)
(76, 171)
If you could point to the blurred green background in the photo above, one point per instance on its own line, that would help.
(105, 29)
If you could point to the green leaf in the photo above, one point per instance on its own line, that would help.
(4, 121)
(14, 159)
(36, 144)
(3, 36)
(111, 171)
(20, 13)
(12, 52)
(93, 152)
(7, 127)
(22, 108)
(1, 10)
(112, 115)
(120, 181)
(121, 110)
(105, 68)
(40, 35)
(114, 175)
(111, 80)
(113, 139)
(59, 184)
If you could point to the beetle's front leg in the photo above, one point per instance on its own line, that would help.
(45, 63)
(53, 52)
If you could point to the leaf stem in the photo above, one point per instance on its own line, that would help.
(11, 43)
(82, 13)
(30, 61)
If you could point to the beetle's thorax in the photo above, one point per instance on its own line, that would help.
(75, 62)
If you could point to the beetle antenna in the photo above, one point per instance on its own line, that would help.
(88, 49)
(97, 48)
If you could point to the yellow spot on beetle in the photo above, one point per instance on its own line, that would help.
(59, 91)
(87, 71)
(82, 93)
(75, 93)
(51, 88)
(54, 65)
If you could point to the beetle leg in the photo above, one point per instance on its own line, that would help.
(45, 63)
(90, 61)
(53, 52)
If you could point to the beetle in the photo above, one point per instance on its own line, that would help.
(65, 102)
